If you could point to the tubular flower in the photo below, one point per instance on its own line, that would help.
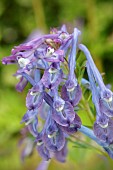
(40, 62)
(102, 99)
(71, 90)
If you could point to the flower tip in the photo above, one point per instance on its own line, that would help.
(4, 61)
(77, 30)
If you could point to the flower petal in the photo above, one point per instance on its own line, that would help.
(52, 80)
(72, 128)
(55, 143)
(73, 96)
(9, 60)
(32, 127)
(21, 85)
(61, 155)
(100, 132)
(106, 108)
(44, 152)
(66, 116)
(29, 116)
(34, 101)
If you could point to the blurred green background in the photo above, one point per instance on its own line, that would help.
(18, 18)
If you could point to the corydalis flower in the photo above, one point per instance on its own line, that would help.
(106, 95)
(40, 62)
(52, 77)
(71, 90)
(63, 112)
(102, 120)
(103, 125)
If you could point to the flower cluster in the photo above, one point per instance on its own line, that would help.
(41, 62)
(48, 63)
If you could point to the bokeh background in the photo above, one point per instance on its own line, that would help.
(18, 19)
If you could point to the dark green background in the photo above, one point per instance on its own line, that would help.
(18, 18)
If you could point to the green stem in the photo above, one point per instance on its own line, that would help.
(87, 108)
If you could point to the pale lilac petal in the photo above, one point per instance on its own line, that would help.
(73, 97)
(52, 80)
(61, 155)
(9, 60)
(106, 108)
(34, 101)
(100, 132)
(29, 116)
(43, 165)
(43, 152)
(66, 116)
(73, 127)
(32, 127)
(21, 85)
(55, 143)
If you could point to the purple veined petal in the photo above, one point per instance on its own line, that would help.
(57, 56)
(110, 132)
(58, 102)
(59, 118)
(35, 65)
(106, 95)
(66, 116)
(32, 127)
(51, 80)
(66, 44)
(43, 110)
(64, 93)
(21, 47)
(73, 127)
(39, 52)
(61, 155)
(9, 60)
(100, 132)
(102, 120)
(38, 87)
(105, 134)
(51, 128)
(55, 143)
(28, 78)
(73, 96)
(34, 101)
(48, 99)
(106, 107)
(35, 96)
(21, 85)
(25, 54)
(43, 152)
(29, 116)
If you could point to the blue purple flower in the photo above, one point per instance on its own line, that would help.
(48, 64)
